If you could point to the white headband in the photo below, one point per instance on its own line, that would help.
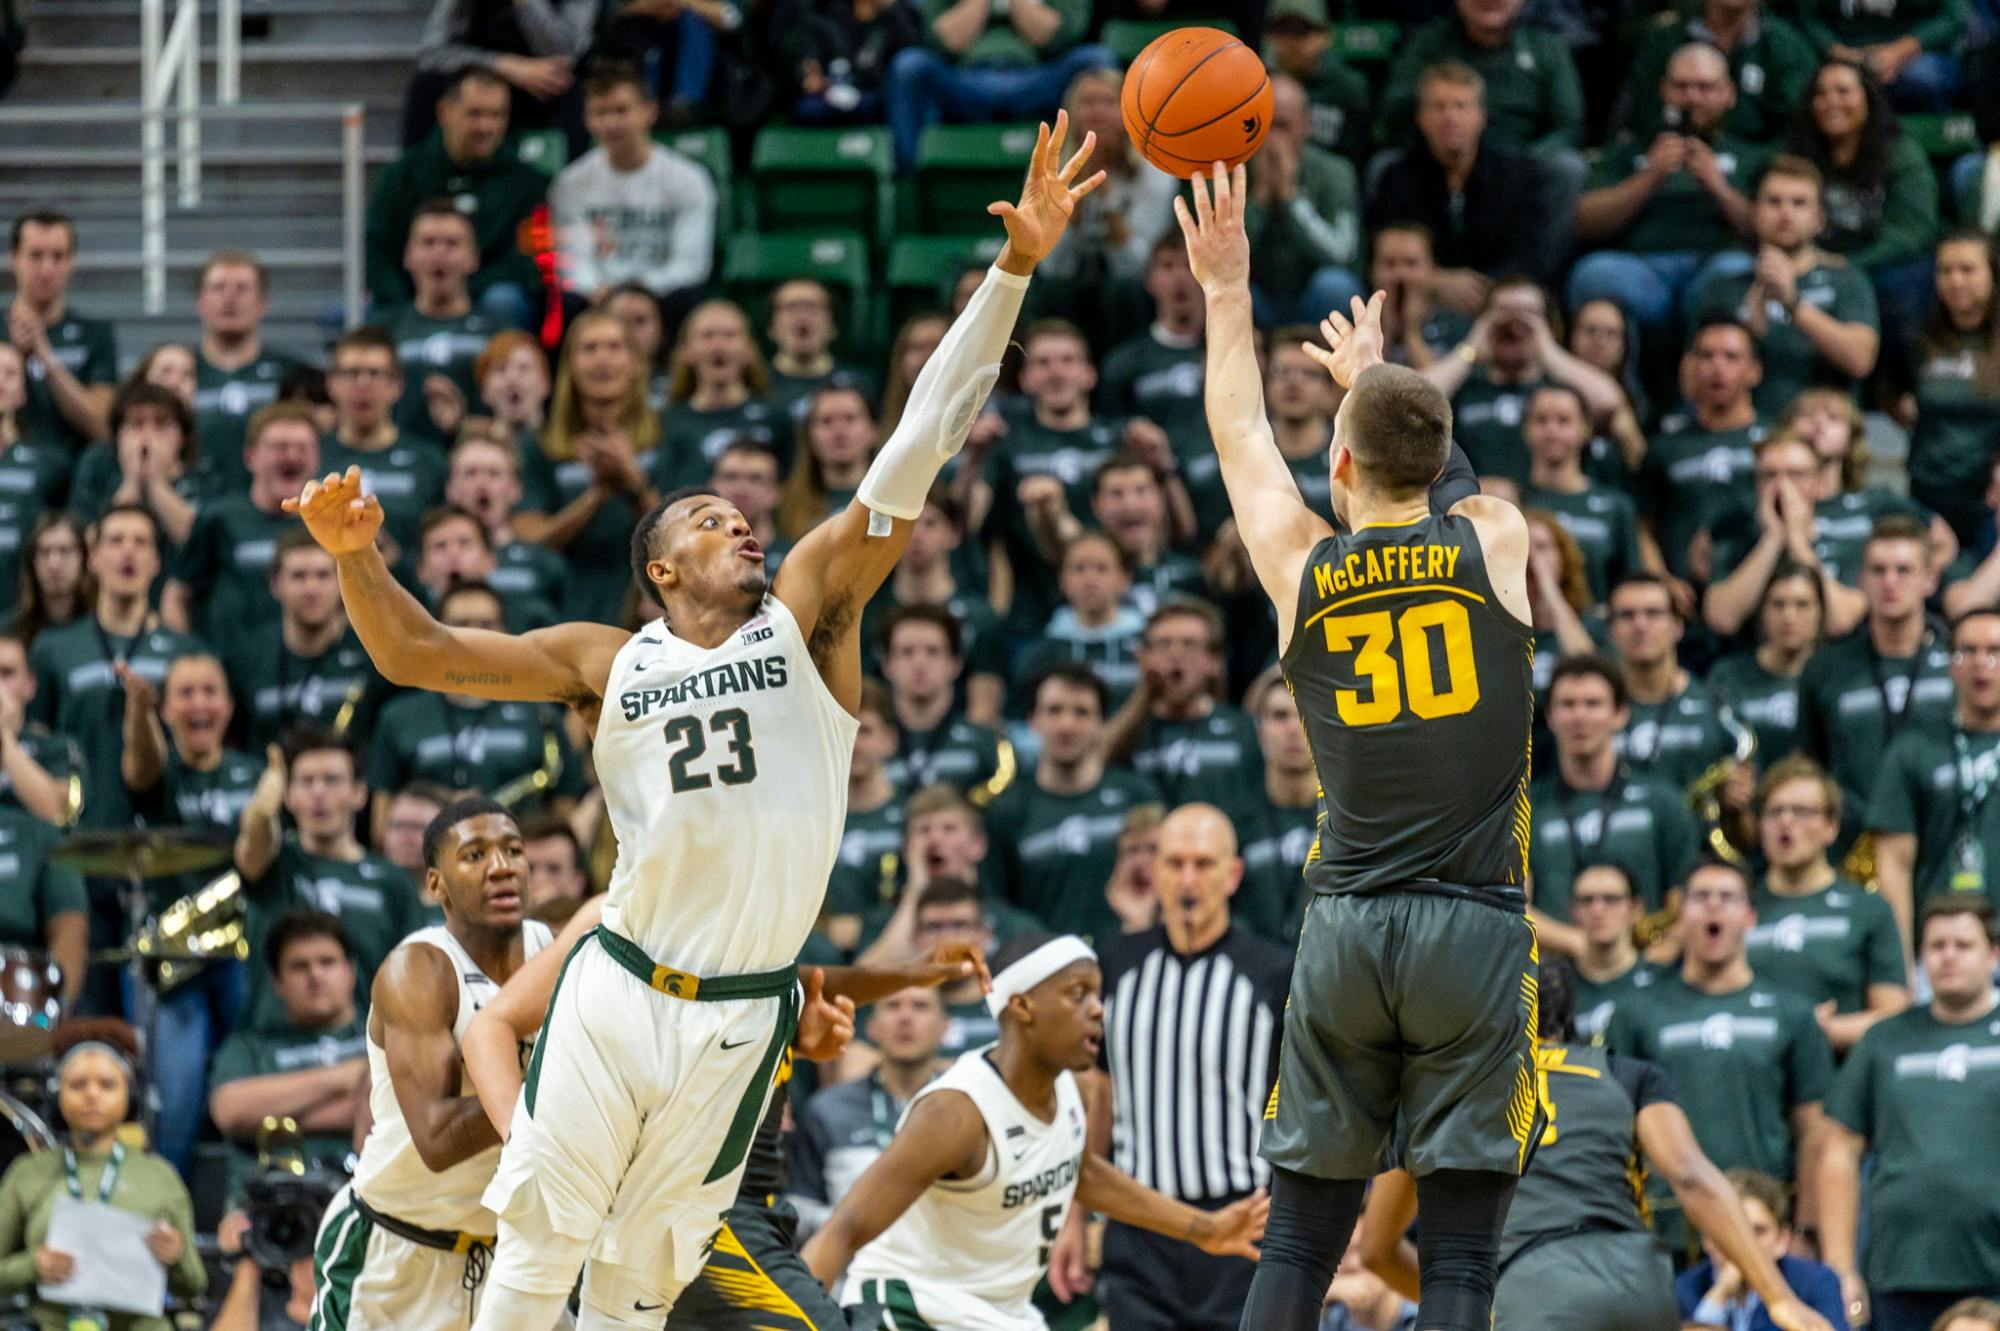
(1037, 966)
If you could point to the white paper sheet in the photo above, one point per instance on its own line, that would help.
(115, 1271)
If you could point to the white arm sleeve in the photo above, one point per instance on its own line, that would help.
(943, 402)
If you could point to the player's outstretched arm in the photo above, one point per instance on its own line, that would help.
(839, 565)
(415, 1005)
(1668, 1141)
(945, 963)
(944, 1137)
(491, 1045)
(1278, 529)
(1232, 1231)
(566, 663)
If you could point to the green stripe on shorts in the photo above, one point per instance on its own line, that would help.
(902, 1306)
(750, 1108)
(337, 1264)
(542, 1036)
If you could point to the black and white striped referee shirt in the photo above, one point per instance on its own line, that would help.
(1191, 1043)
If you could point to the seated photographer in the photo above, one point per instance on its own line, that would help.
(95, 1091)
(312, 1071)
(271, 1288)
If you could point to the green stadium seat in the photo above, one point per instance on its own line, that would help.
(710, 148)
(544, 149)
(815, 179)
(962, 168)
(1942, 136)
(756, 261)
(1364, 43)
(1128, 36)
(920, 267)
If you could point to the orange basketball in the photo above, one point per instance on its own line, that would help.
(1196, 96)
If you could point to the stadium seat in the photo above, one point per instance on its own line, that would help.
(1364, 43)
(754, 262)
(921, 267)
(544, 149)
(1128, 36)
(709, 147)
(961, 169)
(814, 179)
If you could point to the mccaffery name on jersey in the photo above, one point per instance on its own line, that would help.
(1395, 563)
(715, 682)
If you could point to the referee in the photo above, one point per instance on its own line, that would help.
(1193, 1009)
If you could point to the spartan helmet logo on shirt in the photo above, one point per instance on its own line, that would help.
(1789, 934)
(437, 349)
(1073, 836)
(469, 747)
(1718, 1031)
(1953, 1061)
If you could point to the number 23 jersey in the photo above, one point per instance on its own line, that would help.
(1416, 689)
(725, 774)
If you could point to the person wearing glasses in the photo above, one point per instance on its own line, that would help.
(1936, 825)
(365, 380)
(1817, 933)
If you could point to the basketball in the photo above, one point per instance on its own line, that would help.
(1196, 96)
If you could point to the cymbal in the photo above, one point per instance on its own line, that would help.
(143, 852)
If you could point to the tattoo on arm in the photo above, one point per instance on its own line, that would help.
(477, 677)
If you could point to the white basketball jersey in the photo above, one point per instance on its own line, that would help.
(987, 1237)
(391, 1177)
(725, 774)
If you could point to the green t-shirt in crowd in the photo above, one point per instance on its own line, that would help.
(33, 478)
(97, 477)
(1825, 945)
(498, 195)
(1486, 418)
(530, 571)
(224, 401)
(1534, 96)
(1841, 526)
(869, 866)
(1770, 64)
(408, 477)
(1743, 1062)
(427, 346)
(37, 891)
(792, 394)
(1144, 376)
(1677, 740)
(1957, 432)
(1792, 363)
(377, 904)
(226, 566)
(1030, 448)
(693, 438)
(250, 1053)
(1053, 854)
(57, 754)
(1692, 479)
(1605, 526)
(211, 800)
(1596, 1003)
(999, 44)
(1274, 842)
(1172, 574)
(1635, 821)
(77, 693)
(482, 747)
(1875, 219)
(88, 349)
(1937, 24)
(1681, 216)
(1214, 759)
(1852, 703)
(1767, 703)
(1925, 786)
(1926, 1096)
(956, 753)
(599, 558)
(277, 690)
(1318, 227)
(982, 640)
(1112, 650)
(1337, 98)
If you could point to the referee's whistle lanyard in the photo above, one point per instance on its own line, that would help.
(91, 1319)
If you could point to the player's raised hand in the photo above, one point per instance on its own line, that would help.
(826, 1025)
(1356, 342)
(339, 516)
(1218, 247)
(1234, 1230)
(956, 961)
(1049, 194)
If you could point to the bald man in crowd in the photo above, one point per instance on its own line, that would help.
(1185, 1122)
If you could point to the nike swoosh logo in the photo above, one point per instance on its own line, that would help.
(739, 1044)
(637, 666)
(639, 1307)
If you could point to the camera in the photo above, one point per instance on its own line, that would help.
(285, 1209)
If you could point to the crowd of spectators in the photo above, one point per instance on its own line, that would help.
(1704, 306)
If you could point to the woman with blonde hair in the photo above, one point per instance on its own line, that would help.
(837, 440)
(717, 393)
(1969, 1315)
(1845, 506)
(585, 475)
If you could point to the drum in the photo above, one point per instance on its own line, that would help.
(22, 1131)
(30, 1003)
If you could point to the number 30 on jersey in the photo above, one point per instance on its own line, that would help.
(1397, 654)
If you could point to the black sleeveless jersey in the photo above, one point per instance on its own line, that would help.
(1415, 686)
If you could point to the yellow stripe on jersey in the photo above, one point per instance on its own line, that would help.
(751, 1288)
(1446, 588)
(1271, 1107)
